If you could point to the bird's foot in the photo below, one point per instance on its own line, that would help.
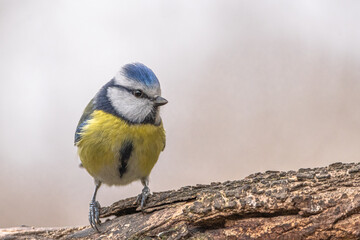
(141, 199)
(94, 215)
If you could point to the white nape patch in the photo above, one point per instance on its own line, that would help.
(132, 108)
(121, 80)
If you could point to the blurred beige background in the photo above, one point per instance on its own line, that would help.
(252, 86)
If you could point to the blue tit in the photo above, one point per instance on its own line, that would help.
(120, 134)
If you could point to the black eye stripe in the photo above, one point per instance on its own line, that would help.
(131, 90)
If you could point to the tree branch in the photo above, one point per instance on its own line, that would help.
(318, 203)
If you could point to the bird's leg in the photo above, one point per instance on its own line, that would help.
(94, 214)
(141, 199)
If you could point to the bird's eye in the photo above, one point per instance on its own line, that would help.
(138, 93)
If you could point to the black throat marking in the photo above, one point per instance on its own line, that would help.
(125, 153)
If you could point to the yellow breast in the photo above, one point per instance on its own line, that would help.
(101, 141)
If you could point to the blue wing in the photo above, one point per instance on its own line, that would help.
(84, 120)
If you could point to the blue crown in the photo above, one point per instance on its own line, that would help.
(141, 73)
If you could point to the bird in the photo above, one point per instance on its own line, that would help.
(120, 134)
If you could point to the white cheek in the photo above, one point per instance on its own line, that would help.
(133, 109)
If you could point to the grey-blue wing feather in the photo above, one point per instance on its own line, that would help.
(83, 120)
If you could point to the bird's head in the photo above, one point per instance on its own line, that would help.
(134, 94)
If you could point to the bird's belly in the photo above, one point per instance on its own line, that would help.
(109, 173)
(100, 149)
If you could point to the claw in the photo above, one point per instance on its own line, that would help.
(141, 199)
(94, 215)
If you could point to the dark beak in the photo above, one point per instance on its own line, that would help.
(159, 101)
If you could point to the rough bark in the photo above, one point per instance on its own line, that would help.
(318, 203)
